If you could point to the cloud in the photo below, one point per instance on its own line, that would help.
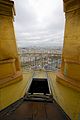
(39, 22)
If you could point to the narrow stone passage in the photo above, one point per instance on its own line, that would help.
(38, 104)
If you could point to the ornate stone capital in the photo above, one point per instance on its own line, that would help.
(7, 8)
(71, 5)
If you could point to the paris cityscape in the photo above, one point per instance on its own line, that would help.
(48, 58)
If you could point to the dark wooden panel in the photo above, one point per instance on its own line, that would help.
(54, 112)
(30, 110)
(24, 112)
(39, 111)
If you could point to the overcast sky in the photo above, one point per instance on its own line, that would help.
(39, 22)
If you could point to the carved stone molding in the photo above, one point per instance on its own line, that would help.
(7, 8)
(71, 5)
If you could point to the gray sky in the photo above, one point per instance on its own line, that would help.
(39, 22)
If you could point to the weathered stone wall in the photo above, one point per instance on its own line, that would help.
(71, 51)
(9, 62)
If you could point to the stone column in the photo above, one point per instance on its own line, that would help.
(9, 63)
(69, 74)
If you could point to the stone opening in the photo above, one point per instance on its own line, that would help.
(39, 85)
